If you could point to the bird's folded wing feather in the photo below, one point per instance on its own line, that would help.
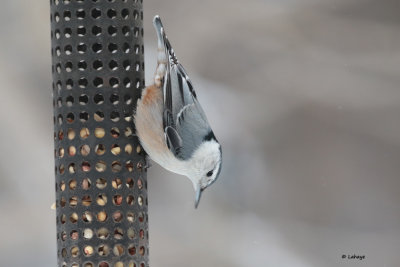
(183, 113)
(184, 121)
(192, 127)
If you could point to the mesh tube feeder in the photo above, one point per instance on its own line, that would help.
(101, 183)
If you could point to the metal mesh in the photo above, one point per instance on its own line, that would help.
(101, 186)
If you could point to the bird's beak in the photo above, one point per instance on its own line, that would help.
(198, 196)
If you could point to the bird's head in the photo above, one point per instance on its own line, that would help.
(205, 166)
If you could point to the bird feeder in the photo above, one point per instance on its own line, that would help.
(101, 184)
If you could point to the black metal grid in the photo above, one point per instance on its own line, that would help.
(98, 74)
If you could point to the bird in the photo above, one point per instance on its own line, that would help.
(171, 124)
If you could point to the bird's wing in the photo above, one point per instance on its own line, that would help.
(177, 96)
(193, 128)
(180, 103)
(178, 90)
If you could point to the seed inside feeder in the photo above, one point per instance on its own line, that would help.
(62, 202)
(72, 184)
(129, 183)
(84, 133)
(88, 233)
(98, 116)
(71, 151)
(100, 149)
(140, 200)
(142, 250)
(141, 217)
(127, 117)
(128, 132)
(129, 166)
(63, 236)
(61, 152)
(118, 233)
(99, 132)
(115, 149)
(130, 200)
(116, 183)
(62, 186)
(74, 251)
(83, 116)
(85, 150)
(71, 134)
(141, 234)
(85, 166)
(132, 250)
(86, 201)
(115, 132)
(117, 200)
(103, 250)
(100, 166)
(128, 149)
(131, 233)
(101, 183)
(119, 264)
(114, 116)
(116, 166)
(63, 218)
(74, 235)
(101, 216)
(74, 217)
(102, 233)
(87, 216)
(73, 201)
(64, 253)
(118, 250)
(60, 135)
(88, 250)
(101, 199)
(139, 184)
(71, 168)
(130, 217)
(86, 184)
(117, 216)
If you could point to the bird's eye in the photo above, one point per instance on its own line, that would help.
(209, 173)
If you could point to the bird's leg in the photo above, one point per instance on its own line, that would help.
(148, 162)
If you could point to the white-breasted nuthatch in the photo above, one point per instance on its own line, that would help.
(172, 126)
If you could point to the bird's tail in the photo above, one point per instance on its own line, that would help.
(160, 32)
(165, 53)
(163, 42)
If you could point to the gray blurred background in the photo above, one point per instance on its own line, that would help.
(304, 97)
